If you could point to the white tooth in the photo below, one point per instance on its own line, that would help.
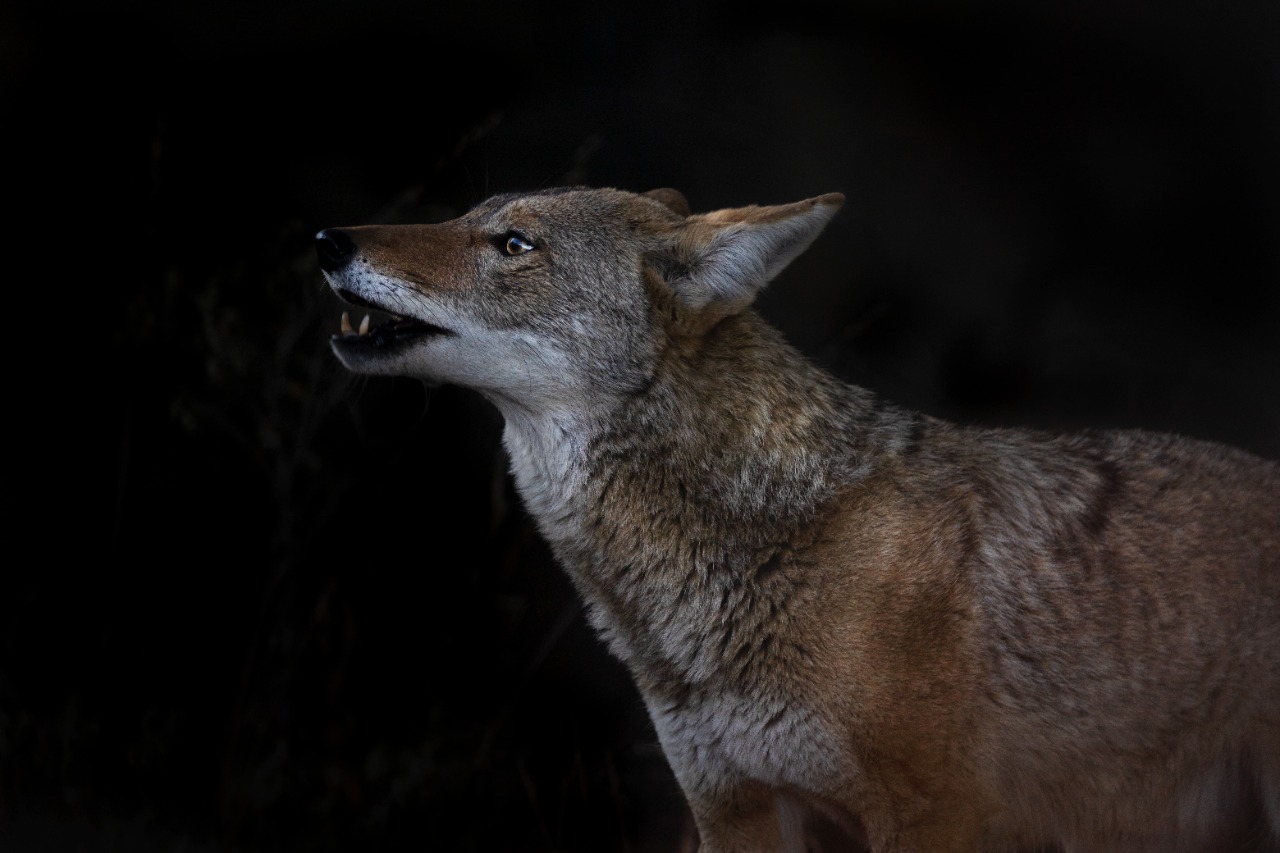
(364, 325)
(346, 323)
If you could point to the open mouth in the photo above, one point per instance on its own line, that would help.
(389, 330)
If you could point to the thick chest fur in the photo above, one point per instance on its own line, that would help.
(731, 665)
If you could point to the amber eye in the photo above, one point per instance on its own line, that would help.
(516, 244)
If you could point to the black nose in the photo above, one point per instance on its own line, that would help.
(334, 248)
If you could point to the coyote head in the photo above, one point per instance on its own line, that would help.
(539, 298)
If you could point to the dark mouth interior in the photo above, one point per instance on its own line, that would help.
(391, 329)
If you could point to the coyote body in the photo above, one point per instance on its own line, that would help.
(944, 638)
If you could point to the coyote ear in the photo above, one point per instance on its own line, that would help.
(673, 199)
(728, 255)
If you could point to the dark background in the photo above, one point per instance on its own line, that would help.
(248, 603)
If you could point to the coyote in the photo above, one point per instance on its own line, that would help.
(939, 637)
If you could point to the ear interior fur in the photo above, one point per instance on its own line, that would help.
(727, 256)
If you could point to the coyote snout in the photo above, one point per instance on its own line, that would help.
(945, 638)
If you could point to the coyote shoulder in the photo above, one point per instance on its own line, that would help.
(944, 638)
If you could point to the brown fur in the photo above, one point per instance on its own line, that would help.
(940, 638)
